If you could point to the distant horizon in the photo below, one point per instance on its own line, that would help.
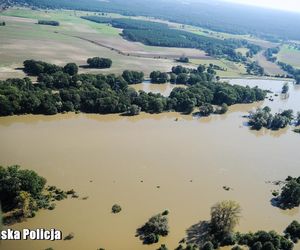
(287, 5)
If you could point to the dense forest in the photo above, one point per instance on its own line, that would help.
(215, 15)
(61, 89)
(159, 34)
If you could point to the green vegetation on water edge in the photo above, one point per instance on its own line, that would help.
(23, 193)
(219, 232)
(290, 194)
(263, 118)
(57, 91)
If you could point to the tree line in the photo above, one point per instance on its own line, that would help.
(62, 89)
(295, 73)
(48, 22)
(36, 68)
(160, 34)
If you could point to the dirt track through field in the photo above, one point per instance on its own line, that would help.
(135, 54)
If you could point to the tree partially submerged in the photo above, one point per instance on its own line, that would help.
(290, 194)
(293, 231)
(23, 192)
(264, 118)
(219, 231)
(155, 227)
(225, 216)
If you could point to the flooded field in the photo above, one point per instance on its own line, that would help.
(107, 157)
(164, 89)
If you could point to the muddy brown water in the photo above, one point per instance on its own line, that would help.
(107, 157)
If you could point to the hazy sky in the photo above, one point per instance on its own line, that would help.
(290, 5)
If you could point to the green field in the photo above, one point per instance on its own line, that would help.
(290, 56)
(231, 69)
(76, 39)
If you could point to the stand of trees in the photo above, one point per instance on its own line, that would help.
(58, 91)
(285, 88)
(159, 77)
(185, 76)
(133, 77)
(269, 54)
(35, 68)
(23, 193)
(295, 73)
(159, 34)
(253, 68)
(48, 22)
(99, 63)
(263, 240)
(183, 59)
(154, 228)
(293, 231)
(219, 232)
(264, 118)
(290, 194)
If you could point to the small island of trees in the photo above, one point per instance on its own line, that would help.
(290, 194)
(264, 118)
(154, 228)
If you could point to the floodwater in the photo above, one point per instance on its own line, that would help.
(164, 89)
(114, 159)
